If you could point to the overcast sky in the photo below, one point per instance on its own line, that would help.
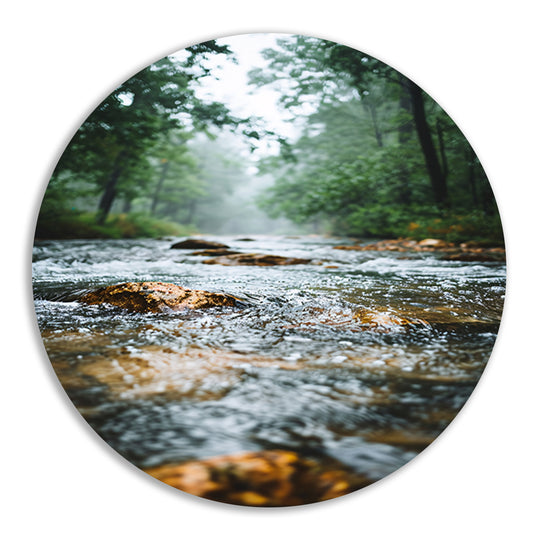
(232, 87)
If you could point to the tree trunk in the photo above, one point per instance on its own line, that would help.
(192, 212)
(472, 176)
(436, 175)
(110, 191)
(442, 149)
(371, 108)
(126, 206)
(162, 177)
(405, 134)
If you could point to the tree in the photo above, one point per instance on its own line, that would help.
(321, 71)
(112, 146)
(374, 151)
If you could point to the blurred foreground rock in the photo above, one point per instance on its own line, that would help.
(272, 478)
(154, 297)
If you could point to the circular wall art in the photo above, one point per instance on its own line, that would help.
(268, 270)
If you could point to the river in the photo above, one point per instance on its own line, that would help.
(300, 367)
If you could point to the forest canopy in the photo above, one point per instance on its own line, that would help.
(372, 154)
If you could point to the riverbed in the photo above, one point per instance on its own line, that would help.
(361, 358)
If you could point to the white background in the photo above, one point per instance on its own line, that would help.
(60, 59)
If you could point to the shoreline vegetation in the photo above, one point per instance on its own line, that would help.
(472, 227)
(371, 155)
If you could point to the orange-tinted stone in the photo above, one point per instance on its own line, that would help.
(271, 478)
(255, 260)
(153, 297)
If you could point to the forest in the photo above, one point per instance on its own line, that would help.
(372, 155)
(268, 270)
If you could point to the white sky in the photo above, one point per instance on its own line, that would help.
(232, 89)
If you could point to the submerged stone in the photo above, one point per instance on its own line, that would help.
(384, 320)
(255, 259)
(155, 297)
(198, 244)
(271, 478)
(195, 374)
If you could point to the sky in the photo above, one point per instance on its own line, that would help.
(232, 87)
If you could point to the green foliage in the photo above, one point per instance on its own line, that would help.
(457, 227)
(115, 147)
(79, 225)
(378, 157)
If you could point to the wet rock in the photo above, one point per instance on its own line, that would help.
(271, 478)
(413, 440)
(389, 320)
(348, 247)
(384, 320)
(148, 371)
(255, 259)
(245, 239)
(154, 297)
(197, 244)
(474, 256)
(390, 245)
(434, 243)
(403, 245)
(426, 245)
(216, 252)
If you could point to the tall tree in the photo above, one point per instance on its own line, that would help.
(320, 70)
(117, 137)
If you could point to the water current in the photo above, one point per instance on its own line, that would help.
(358, 357)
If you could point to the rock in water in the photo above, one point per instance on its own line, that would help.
(474, 257)
(271, 478)
(155, 297)
(215, 252)
(255, 260)
(198, 244)
(434, 243)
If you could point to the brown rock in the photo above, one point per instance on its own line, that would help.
(255, 259)
(348, 247)
(473, 256)
(470, 245)
(196, 244)
(148, 371)
(271, 478)
(390, 245)
(384, 320)
(154, 297)
(215, 252)
(414, 440)
(434, 243)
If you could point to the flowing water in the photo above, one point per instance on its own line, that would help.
(361, 358)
